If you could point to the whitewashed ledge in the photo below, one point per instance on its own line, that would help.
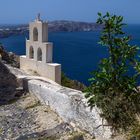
(69, 104)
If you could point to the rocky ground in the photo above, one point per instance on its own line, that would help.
(27, 119)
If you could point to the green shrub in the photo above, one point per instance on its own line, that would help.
(113, 89)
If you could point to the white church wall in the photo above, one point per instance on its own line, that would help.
(48, 70)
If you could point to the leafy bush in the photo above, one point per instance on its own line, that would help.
(113, 89)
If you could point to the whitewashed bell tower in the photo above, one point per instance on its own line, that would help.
(39, 52)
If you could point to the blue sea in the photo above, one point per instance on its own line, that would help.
(78, 52)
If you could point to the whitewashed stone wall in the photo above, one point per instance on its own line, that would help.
(69, 104)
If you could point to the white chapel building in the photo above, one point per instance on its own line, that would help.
(39, 52)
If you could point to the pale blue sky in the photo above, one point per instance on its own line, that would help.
(23, 11)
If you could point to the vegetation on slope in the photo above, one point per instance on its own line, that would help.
(113, 87)
(74, 84)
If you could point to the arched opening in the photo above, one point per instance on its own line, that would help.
(31, 53)
(35, 34)
(39, 54)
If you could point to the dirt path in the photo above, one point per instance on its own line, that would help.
(26, 119)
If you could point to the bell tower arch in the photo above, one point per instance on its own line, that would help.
(38, 30)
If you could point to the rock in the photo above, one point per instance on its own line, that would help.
(7, 79)
(8, 85)
(9, 58)
(55, 132)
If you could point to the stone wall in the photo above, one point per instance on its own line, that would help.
(69, 104)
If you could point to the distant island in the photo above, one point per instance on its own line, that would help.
(54, 26)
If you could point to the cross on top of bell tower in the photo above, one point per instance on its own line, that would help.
(38, 17)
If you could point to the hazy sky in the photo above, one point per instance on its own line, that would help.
(23, 11)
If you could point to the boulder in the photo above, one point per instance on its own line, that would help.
(7, 79)
(9, 57)
(8, 84)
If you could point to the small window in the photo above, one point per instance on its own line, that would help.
(31, 53)
(35, 34)
(39, 54)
